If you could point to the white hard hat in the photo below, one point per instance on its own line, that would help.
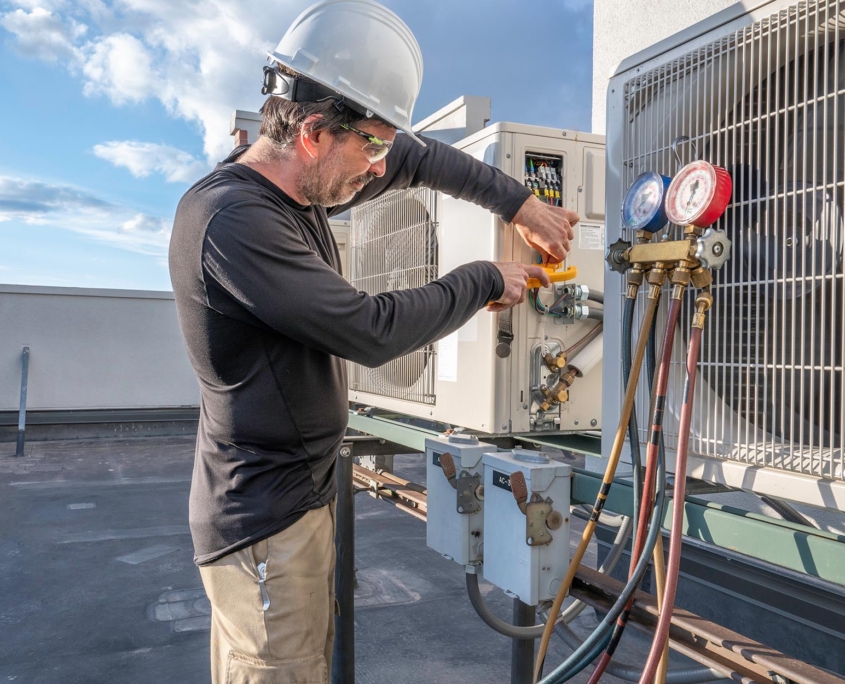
(360, 50)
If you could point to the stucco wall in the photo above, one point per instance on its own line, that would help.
(622, 28)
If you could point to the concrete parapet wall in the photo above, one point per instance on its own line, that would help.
(93, 349)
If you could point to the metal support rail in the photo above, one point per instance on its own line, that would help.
(395, 490)
(709, 643)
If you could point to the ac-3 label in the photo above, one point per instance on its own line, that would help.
(502, 480)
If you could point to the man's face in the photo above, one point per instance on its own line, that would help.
(344, 170)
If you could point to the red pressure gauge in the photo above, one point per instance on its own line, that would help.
(699, 194)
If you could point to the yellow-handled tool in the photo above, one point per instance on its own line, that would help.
(554, 275)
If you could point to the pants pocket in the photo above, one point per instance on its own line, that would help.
(243, 670)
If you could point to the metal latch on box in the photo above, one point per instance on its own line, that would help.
(469, 487)
(540, 518)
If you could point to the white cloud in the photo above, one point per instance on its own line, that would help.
(121, 67)
(82, 211)
(143, 159)
(143, 223)
(45, 35)
(201, 59)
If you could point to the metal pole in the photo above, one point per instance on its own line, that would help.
(522, 650)
(22, 411)
(343, 656)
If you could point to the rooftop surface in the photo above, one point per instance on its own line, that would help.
(98, 584)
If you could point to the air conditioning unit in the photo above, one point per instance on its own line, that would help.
(761, 93)
(408, 238)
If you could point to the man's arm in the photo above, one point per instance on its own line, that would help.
(451, 171)
(272, 272)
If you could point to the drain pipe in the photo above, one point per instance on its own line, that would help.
(22, 411)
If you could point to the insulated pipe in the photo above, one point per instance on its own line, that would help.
(661, 634)
(613, 461)
(589, 357)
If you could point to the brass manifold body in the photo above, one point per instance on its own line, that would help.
(688, 261)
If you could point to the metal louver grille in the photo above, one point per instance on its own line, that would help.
(767, 103)
(394, 247)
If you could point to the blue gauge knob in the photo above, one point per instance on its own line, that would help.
(644, 207)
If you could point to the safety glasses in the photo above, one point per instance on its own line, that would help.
(376, 149)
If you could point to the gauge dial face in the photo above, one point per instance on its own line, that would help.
(691, 193)
(643, 201)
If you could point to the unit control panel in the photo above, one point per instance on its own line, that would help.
(544, 177)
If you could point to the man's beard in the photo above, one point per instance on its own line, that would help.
(326, 184)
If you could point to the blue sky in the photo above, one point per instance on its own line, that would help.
(109, 110)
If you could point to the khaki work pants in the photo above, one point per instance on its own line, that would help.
(291, 641)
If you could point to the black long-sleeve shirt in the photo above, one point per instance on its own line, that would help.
(268, 319)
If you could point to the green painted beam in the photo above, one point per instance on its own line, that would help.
(809, 551)
(410, 436)
(583, 444)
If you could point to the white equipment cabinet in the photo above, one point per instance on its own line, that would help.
(526, 553)
(408, 238)
(455, 520)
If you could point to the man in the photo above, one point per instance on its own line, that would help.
(268, 321)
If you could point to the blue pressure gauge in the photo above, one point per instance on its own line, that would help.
(644, 207)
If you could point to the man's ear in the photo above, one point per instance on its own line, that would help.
(313, 140)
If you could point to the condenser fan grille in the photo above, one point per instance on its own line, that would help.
(394, 247)
(767, 103)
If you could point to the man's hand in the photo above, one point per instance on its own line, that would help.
(545, 228)
(516, 277)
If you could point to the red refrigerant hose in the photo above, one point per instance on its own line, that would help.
(702, 303)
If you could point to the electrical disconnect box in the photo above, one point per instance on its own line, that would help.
(526, 518)
(455, 518)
